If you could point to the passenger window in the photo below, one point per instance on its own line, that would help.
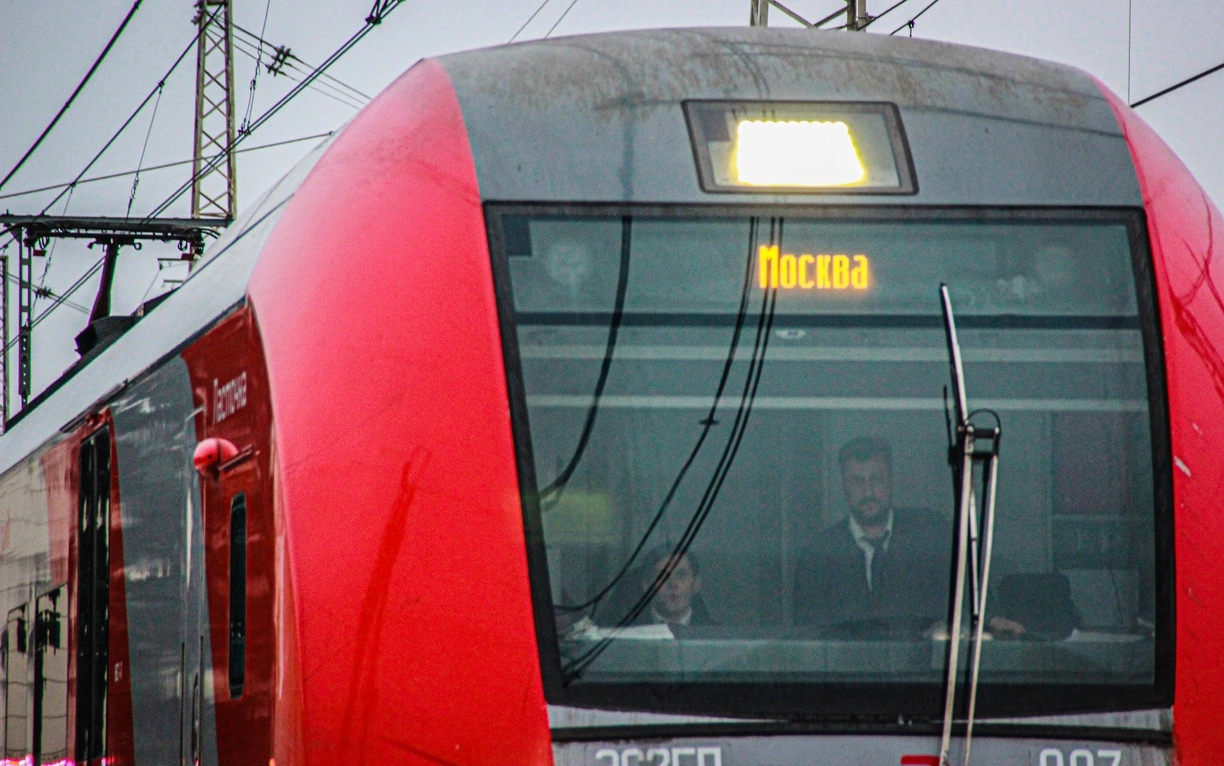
(16, 686)
(50, 735)
(237, 594)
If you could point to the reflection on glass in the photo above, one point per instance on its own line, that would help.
(760, 493)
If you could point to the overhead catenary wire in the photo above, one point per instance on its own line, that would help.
(916, 16)
(381, 10)
(63, 109)
(246, 49)
(258, 61)
(325, 88)
(42, 279)
(557, 23)
(151, 168)
(884, 13)
(289, 56)
(60, 299)
(1178, 86)
(143, 149)
(131, 117)
(12, 277)
(530, 18)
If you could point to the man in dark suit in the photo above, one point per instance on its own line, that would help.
(881, 571)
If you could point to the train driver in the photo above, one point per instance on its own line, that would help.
(881, 570)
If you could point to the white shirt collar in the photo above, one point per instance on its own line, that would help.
(868, 547)
(685, 619)
(860, 537)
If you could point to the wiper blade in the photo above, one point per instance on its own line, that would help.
(971, 552)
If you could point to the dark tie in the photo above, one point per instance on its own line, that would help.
(876, 546)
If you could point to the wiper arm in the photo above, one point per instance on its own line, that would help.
(971, 551)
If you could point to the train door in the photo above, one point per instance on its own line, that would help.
(229, 382)
(17, 685)
(93, 597)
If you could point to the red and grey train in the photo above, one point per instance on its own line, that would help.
(386, 480)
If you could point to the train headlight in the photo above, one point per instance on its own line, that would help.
(800, 147)
(796, 153)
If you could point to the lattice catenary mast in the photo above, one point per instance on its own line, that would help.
(214, 190)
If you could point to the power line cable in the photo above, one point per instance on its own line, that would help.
(338, 87)
(60, 300)
(258, 61)
(75, 93)
(47, 293)
(151, 168)
(707, 423)
(910, 23)
(42, 280)
(1130, 12)
(887, 11)
(123, 127)
(530, 18)
(381, 10)
(575, 667)
(290, 56)
(140, 162)
(326, 89)
(1179, 85)
(568, 8)
(245, 48)
(68, 189)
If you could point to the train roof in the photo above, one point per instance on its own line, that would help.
(602, 115)
(602, 118)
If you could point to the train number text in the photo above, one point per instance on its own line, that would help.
(660, 756)
(1079, 757)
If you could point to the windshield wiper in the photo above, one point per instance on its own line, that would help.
(973, 446)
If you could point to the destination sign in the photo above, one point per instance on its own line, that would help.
(823, 271)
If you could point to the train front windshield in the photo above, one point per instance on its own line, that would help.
(734, 451)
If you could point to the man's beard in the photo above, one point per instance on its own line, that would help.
(869, 511)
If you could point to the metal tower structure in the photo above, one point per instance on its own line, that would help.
(4, 354)
(214, 189)
(760, 13)
(32, 233)
(857, 17)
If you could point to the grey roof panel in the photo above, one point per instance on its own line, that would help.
(598, 118)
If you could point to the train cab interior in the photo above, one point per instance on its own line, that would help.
(691, 381)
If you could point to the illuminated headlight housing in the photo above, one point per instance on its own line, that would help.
(800, 147)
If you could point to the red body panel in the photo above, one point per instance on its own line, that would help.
(1186, 232)
(229, 384)
(120, 747)
(405, 551)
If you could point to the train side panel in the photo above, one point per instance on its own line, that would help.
(395, 463)
(1187, 235)
(164, 568)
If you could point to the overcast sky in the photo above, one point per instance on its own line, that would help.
(1136, 48)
